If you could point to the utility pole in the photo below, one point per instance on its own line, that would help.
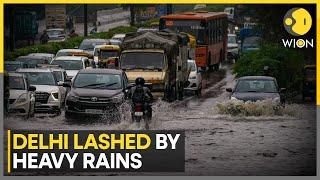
(85, 17)
(169, 9)
(11, 28)
(132, 15)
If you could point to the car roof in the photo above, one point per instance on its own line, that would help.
(55, 29)
(256, 78)
(41, 54)
(191, 60)
(95, 40)
(232, 35)
(34, 70)
(102, 71)
(16, 74)
(75, 58)
(30, 57)
(70, 50)
(118, 35)
(12, 62)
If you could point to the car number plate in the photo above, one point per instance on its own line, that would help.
(138, 113)
(94, 111)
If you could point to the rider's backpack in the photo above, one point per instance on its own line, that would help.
(138, 96)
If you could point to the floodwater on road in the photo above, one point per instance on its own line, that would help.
(218, 143)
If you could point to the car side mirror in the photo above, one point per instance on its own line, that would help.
(67, 84)
(32, 88)
(229, 89)
(283, 90)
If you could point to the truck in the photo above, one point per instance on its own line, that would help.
(161, 58)
(55, 16)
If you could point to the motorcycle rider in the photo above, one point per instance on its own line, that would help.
(141, 94)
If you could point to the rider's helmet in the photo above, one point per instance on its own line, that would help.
(140, 81)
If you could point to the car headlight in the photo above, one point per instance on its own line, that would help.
(22, 98)
(118, 98)
(233, 98)
(55, 95)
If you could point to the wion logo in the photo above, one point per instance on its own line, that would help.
(297, 22)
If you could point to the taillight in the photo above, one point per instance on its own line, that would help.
(138, 108)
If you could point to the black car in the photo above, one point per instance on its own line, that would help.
(254, 88)
(96, 92)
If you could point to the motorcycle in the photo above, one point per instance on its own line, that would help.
(142, 112)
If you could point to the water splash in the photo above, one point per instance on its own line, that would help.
(260, 108)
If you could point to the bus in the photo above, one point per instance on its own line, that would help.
(210, 31)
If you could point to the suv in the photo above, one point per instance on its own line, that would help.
(21, 100)
(49, 96)
(72, 64)
(96, 92)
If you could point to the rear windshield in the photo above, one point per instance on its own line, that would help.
(263, 86)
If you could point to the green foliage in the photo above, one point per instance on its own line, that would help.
(286, 65)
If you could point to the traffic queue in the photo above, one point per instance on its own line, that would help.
(100, 75)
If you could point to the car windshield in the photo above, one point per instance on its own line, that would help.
(107, 54)
(16, 82)
(11, 67)
(97, 81)
(142, 60)
(32, 63)
(54, 32)
(192, 66)
(40, 78)
(256, 85)
(89, 45)
(58, 75)
(232, 40)
(69, 64)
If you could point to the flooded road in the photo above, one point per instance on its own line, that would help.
(219, 143)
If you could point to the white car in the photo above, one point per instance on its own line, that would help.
(195, 78)
(49, 96)
(233, 47)
(72, 64)
(22, 98)
(48, 56)
(68, 52)
(119, 37)
(56, 35)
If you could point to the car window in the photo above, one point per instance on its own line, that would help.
(265, 86)
(98, 81)
(58, 75)
(192, 66)
(68, 64)
(40, 78)
(16, 82)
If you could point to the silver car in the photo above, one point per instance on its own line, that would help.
(49, 96)
(22, 99)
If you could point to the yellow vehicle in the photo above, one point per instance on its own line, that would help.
(107, 56)
(160, 58)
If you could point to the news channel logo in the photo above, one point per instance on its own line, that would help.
(297, 22)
